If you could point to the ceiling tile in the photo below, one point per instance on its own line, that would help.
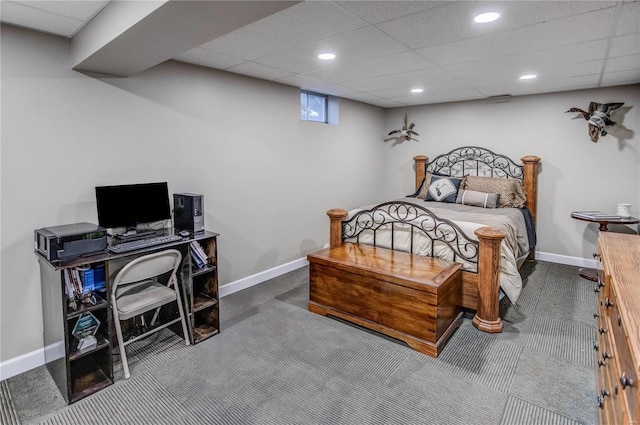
(623, 63)
(629, 22)
(621, 78)
(498, 45)
(257, 70)
(75, 9)
(519, 88)
(295, 26)
(312, 84)
(45, 15)
(454, 20)
(545, 39)
(626, 45)
(358, 45)
(386, 103)
(511, 68)
(375, 12)
(203, 57)
(440, 97)
(363, 97)
(405, 80)
(375, 67)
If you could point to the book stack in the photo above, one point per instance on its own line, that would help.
(198, 255)
(80, 284)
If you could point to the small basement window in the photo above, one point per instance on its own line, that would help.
(313, 106)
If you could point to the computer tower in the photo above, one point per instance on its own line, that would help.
(188, 212)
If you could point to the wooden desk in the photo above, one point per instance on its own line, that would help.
(81, 372)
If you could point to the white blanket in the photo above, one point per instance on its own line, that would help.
(468, 219)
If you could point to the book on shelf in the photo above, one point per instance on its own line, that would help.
(203, 254)
(595, 215)
(69, 286)
(198, 255)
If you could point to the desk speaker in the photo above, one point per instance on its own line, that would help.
(188, 212)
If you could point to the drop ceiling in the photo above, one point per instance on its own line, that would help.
(386, 48)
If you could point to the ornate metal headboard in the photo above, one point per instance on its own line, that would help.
(475, 161)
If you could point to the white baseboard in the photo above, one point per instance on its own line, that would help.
(249, 281)
(28, 361)
(565, 259)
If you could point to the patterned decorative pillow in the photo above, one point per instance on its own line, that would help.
(510, 191)
(424, 187)
(477, 199)
(443, 189)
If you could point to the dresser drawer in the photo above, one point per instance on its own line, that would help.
(618, 328)
(625, 374)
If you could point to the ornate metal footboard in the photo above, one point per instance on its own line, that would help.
(391, 216)
(480, 289)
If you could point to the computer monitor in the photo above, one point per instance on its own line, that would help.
(132, 204)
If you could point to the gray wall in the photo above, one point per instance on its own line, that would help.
(267, 177)
(576, 174)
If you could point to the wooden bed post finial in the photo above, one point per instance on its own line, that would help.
(337, 215)
(487, 318)
(421, 168)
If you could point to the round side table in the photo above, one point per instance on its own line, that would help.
(603, 222)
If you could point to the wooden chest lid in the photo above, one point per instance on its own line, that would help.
(402, 268)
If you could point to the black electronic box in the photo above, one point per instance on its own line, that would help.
(70, 241)
(188, 212)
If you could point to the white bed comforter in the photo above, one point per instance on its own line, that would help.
(514, 246)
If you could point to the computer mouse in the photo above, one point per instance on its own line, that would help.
(184, 233)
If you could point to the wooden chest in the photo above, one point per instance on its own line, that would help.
(412, 298)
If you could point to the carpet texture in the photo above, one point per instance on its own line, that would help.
(280, 364)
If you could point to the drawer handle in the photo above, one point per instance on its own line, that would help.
(608, 303)
(603, 393)
(602, 330)
(625, 382)
(595, 345)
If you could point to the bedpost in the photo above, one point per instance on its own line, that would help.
(487, 318)
(421, 168)
(530, 182)
(335, 230)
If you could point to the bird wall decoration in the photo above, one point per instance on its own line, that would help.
(407, 130)
(598, 117)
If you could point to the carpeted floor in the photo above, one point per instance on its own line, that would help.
(276, 363)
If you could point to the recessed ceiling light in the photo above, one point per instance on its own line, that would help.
(528, 76)
(417, 90)
(483, 18)
(326, 56)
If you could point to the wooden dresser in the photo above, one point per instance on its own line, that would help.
(617, 345)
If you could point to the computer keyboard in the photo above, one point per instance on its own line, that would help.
(143, 243)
